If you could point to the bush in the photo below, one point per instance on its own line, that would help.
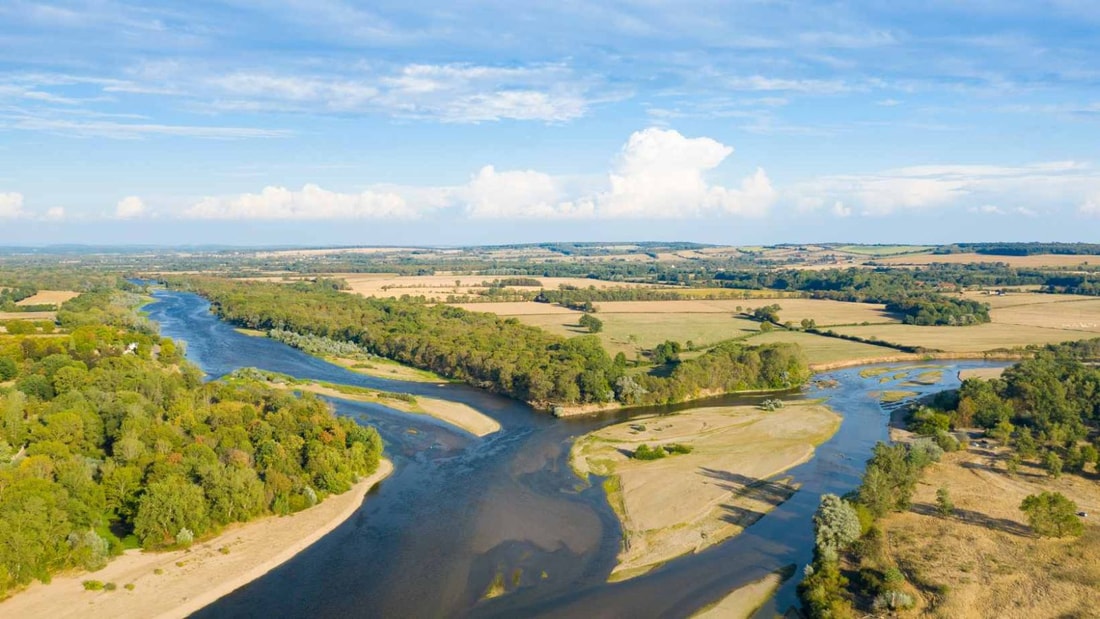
(93, 585)
(185, 537)
(893, 600)
(110, 586)
(8, 368)
(128, 586)
(678, 448)
(645, 452)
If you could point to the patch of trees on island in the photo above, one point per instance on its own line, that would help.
(110, 440)
(499, 354)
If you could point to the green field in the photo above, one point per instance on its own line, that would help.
(631, 333)
(821, 349)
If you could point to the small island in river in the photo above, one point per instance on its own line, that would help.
(719, 473)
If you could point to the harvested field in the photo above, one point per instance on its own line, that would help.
(520, 308)
(439, 287)
(1078, 315)
(49, 297)
(820, 349)
(1042, 260)
(978, 338)
(984, 561)
(686, 502)
(1021, 297)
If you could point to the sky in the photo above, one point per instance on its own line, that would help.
(335, 122)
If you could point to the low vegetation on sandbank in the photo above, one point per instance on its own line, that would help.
(722, 471)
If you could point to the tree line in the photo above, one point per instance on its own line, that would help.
(499, 354)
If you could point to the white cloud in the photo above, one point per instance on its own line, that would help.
(11, 205)
(311, 203)
(987, 189)
(840, 210)
(809, 86)
(659, 174)
(55, 213)
(129, 208)
(119, 130)
(1091, 206)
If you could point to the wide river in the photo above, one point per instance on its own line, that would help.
(458, 510)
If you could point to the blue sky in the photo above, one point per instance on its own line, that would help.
(759, 121)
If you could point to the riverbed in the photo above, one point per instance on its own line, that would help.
(462, 516)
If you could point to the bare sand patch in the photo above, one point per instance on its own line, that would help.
(983, 373)
(686, 502)
(385, 368)
(49, 297)
(742, 603)
(985, 557)
(194, 578)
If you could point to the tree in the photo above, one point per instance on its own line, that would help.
(1053, 464)
(944, 505)
(8, 368)
(590, 322)
(836, 525)
(168, 507)
(1051, 514)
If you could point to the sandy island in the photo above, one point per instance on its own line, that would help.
(744, 602)
(191, 579)
(455, 413)
(684, 503)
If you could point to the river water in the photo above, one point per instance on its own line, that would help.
(459, 511)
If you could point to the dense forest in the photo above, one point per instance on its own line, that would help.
(499, 354)
(1021, 249)
(109, 439)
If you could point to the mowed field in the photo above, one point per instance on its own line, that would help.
(1041, 260)
(633, 326)
(820, 349)
(1018, 319)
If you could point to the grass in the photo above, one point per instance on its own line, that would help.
(631, 333)
(890, 397)
(821, 349)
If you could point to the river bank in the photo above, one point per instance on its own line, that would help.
(685, 502)
(180, 582)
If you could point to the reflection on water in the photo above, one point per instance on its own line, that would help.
(459, 512)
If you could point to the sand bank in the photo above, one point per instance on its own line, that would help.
(191, 579)
(686, 502)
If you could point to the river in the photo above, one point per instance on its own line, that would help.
(459, 511)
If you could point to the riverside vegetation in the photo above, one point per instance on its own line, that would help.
(495, 353)
(110, 440)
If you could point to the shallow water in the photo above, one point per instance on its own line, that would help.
(458, 511)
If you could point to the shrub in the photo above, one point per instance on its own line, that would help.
(110, 586)
(678, 448)
(185, 537)
(93, 585)
(128, 586)
(893, 600)
(1051, 514)
(947, 442)
(645, 452)
(836, 525)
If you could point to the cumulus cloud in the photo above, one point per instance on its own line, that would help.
(840, 210)
(129, 208)
(659, 174)
(55, 213)
(11, 205)
(310, 203)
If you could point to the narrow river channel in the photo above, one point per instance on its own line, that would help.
(459, 510)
